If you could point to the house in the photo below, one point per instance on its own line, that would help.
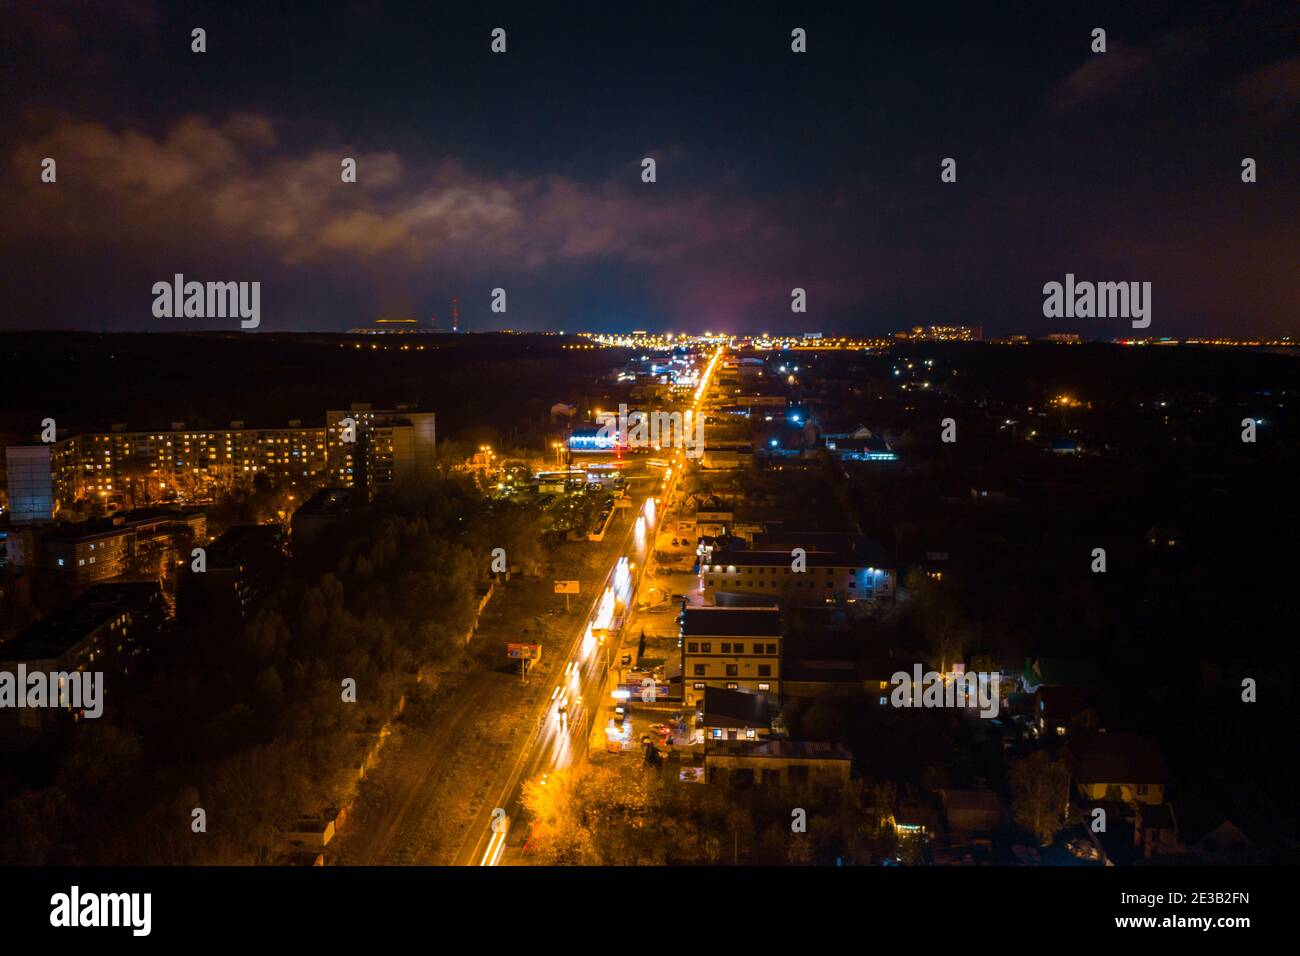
(713, 519)
(1155, 831)
(1062, 710)
(1124, 767)
(733, 715)
(1220, 842)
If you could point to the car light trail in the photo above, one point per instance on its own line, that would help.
(557, 743)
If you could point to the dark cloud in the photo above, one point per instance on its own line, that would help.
(775, 171)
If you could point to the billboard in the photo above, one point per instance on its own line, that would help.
(566, 587)
(524, 652)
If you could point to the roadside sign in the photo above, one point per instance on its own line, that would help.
(524, 652)
(566, 587)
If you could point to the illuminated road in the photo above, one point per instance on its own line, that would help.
(562, 728)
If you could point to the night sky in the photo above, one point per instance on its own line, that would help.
(775, 169)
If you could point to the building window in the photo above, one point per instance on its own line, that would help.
(716, 733)
(699, 685)
(732, 670)
(693, 647)
(706, 647)
(764, 686)
(732, 685)
(771, 648)
(726, 648)
(750, 733)
(764, 670)
(699, 670)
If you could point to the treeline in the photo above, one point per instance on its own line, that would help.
(247, 720)
(598, 814)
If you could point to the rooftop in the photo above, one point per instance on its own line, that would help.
(780, 750)
(1115, 758)
(731, 622)
(733, 708)
(56, 635)
(815, 559)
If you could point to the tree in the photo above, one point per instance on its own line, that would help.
(1038, 794)
(939, 617)
(558, 834)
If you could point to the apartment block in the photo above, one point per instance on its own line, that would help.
(376, 448)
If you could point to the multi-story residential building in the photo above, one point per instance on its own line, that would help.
(106, 629)
(130, 469)
(103, 548)
(320, 512)
(140, 468)
(731, 649)
(387, 447)
(825, 576)
(189, 464)
(242, 565)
